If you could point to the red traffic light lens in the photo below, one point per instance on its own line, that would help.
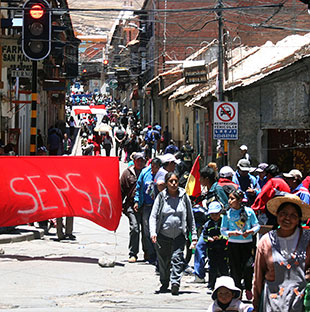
(36, 11)
(105, 62)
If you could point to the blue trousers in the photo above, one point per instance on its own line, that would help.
(150, 248)
(200, 258)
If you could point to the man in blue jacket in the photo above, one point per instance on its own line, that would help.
(143, 201)
(246, 181)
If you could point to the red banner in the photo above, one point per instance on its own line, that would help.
(43, 187)
(91, 109)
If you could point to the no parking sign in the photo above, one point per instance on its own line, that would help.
(225, 121)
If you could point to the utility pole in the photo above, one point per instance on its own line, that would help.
(220, 51)
(220, 67)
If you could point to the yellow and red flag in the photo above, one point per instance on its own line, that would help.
(193, 187)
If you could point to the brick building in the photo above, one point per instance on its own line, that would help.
(173, 36)
(176, 35)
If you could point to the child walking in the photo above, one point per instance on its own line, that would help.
(240, 224)
(216, 244)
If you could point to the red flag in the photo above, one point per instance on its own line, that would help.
(91, 109)
(78, 111)
(193, 187)
(44, 187)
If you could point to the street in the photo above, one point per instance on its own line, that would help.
(220, 90)
(48, 275)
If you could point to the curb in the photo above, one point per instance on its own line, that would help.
(22, 233)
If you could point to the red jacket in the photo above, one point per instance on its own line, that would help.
(306, 182)
(223, 181)
(268, 192)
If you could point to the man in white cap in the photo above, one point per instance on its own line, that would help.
(244, 153)
(225, 180)
(144, 199)
(294, 180)
(168, 165)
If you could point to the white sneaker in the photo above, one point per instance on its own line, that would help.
(189, 271)
(198, 280)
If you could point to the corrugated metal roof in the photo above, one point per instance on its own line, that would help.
(268, 59)
(172, 87)
(174, 70)
(204, 93)
(249, 65)
(183, 90)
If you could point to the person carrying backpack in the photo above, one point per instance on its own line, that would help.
(215, 193)
(149, 142)
(225, 180)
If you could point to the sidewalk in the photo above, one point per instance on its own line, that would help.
(21, 233)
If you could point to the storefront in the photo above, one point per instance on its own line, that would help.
(289, 149)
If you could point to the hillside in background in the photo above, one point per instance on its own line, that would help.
(98, 23)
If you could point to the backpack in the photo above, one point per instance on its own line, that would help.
(228, 188)
(149, 137)
(156, 135)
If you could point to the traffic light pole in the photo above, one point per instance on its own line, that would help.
(33, 123)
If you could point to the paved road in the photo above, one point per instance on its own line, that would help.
(47, 275)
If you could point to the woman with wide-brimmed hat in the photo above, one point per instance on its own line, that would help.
(282, 257)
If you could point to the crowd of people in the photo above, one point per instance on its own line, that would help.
(121, 128)
(253, 242)
(251, 235)
(79, 97)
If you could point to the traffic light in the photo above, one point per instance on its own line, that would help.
(105, 64)
(36, 33)
(58, 36)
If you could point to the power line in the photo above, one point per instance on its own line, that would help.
(268, 26)
(197, 29)
(201, 9)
